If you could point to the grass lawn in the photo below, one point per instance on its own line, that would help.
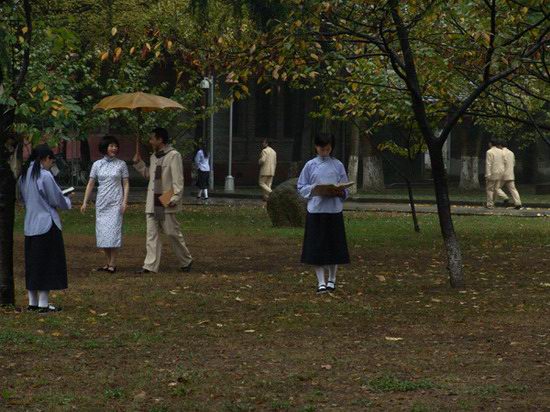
(245, 331)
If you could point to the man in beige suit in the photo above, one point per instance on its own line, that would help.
(508, 178)
(494, 171)
(165, 174)
(268, 163)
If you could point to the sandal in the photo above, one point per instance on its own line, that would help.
(111, 269)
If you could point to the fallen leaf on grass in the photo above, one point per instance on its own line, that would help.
(140, 396)
(393, 339)
(381, 278)
(173, 292)
(173, 384)
(326, 367)
(436, 300)
(545, 284)
(249, 331)
(56, 333)
(103, 314)
(238, 299)
(200, 322)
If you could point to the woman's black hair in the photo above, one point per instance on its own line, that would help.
(39, 153)
(105, 142)
(323, 139)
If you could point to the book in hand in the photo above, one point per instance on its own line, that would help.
(166, 197)
(68, 191)
(330, 189)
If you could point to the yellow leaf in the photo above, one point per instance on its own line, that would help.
(113, 31)
(178, 77)
(54, 113)
(45, 98)
(21, 39)
(252, 49)
(118, 52)
(148, 46)
(157, 54)
(268, 91)
(105, 56)
(34, 89)
(25, 29)
(132, 50)
(168, 44)
(314, 56)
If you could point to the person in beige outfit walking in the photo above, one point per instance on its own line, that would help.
(508, 178)
(268, 163)
(165, 175)
(494, 172)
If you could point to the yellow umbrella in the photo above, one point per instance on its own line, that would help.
(142, 102)
(131, 101)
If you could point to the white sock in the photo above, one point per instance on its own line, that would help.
(332, 273)
(320, 272)
(206, 193)
(33, 297)
(43, 298)
(200, 193)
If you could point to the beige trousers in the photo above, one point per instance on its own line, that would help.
(510, 187)
(265, 183)
(171, 229)
(491, 187)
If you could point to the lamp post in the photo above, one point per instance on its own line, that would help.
(229, 180)
(208, 83)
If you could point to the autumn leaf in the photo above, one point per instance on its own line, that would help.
(113, 31)
(104, 56)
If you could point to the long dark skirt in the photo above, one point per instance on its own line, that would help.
(202, 179)
(45, 264)
(325, 240)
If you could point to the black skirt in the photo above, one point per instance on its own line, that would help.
(202, 179)
(45, 264)
(325, 240)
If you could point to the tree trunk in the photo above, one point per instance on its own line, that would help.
(373, 172)
(353, 161)
(452, 247)
(7, 215)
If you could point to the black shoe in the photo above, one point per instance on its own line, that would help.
(331, 286)
(48, 309)
(111, 269)
(187, 268)
(518, 207)
(142, 271)
(506, 203)
(321, 289)
(32, 307)
(102, 269)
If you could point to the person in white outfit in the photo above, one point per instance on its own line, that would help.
(508, 178)
(494, 172)
(203, 168)
(268, 163)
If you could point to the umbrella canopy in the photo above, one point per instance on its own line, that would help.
(139, 100)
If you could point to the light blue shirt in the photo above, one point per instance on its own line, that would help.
(202, 162)
(322, 170)
(41, 198)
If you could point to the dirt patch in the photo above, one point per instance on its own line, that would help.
(245, 331)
